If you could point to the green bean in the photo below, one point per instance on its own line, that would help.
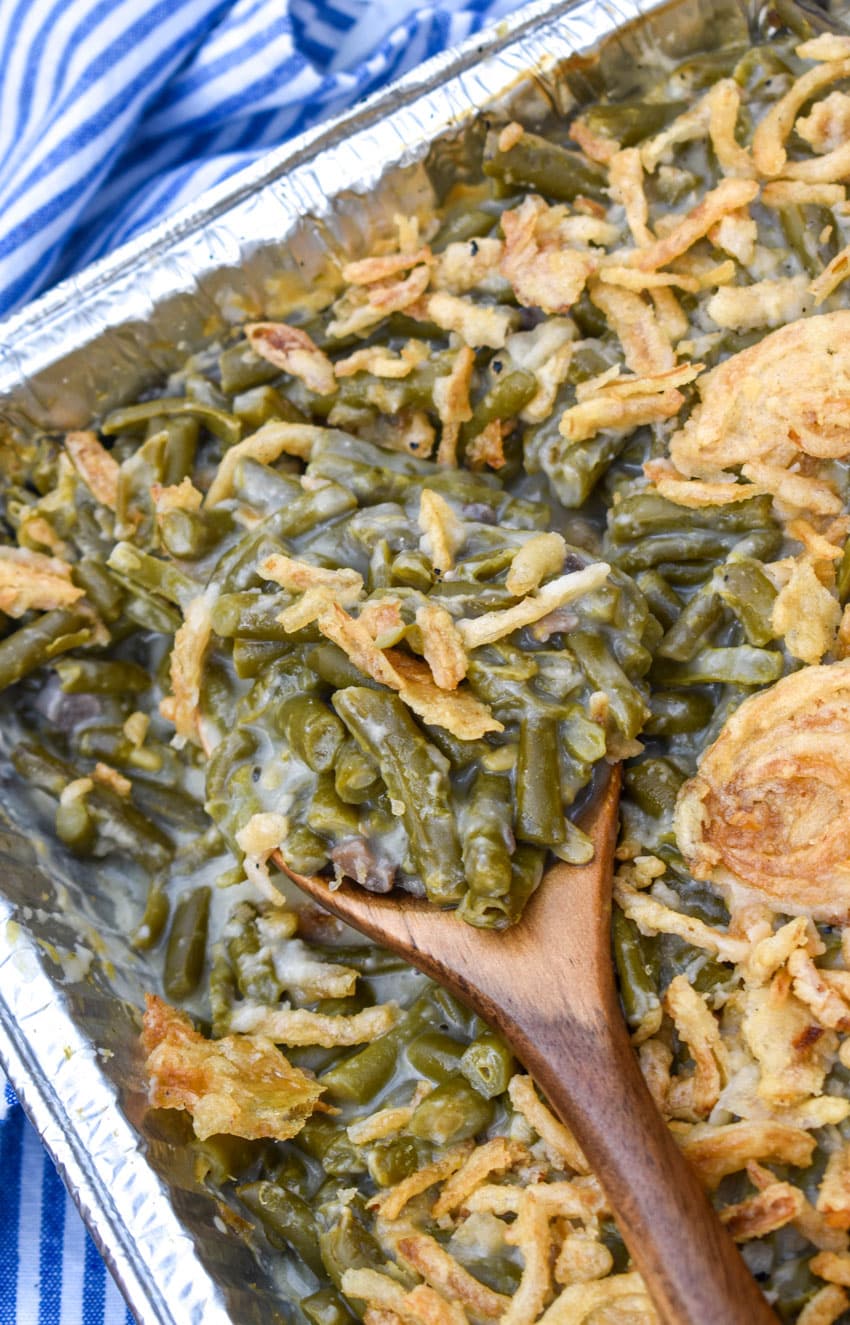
(348, 1246)
(696, 620)
(222, 425)
(488, 1065)
(252, 657)
(152, 574)
(585, 740)
(326, 1307)
(486, 833)
(75, 825)
(573, 469)
(629, 122)
(328, 815)
(391, 1161)
(286, 1219)
(117, 819)
(413, 569)
(240, 368)
(312, 729)
(250, 614)
(416, 775)
(102, 590)
(190, 535)
(153, 921)
(646, 513)
(539, 801)
(637, 970)
(41, 770)
(604, 673)
(654, 784)
(453, 1112)
(576, 847)
(356, 776)
(304, 851)
(261, 403)
(462, 223)
(252, 964)
(508, 395)
(663, 600)
(181, 444)
(335, 668)
(746, 589)
(187, 944)
(743, 666)
(535, 163)
(526, 872)
(672, 713)
(358, 1078)
(147, 609)
(367, 484)
(435, 1055)
(89, 676)
(36, 643)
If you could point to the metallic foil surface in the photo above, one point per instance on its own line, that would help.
(70, 985)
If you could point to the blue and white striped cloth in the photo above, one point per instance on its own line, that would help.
(114, 113)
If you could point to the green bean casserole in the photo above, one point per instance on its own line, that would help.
(379, 587)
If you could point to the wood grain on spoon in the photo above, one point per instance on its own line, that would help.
(547, 986)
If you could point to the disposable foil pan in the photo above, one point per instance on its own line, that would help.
(70, 985)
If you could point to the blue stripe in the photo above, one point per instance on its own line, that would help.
(104, 118)
(50, 1252)
(94, 1286)
(11, 1161)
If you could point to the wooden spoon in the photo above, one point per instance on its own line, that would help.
(547, 986)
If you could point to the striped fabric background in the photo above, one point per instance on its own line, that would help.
(114, 113)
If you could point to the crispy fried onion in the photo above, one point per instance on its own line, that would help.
(442, 645)
(559, 1141)
(646, 345)
(764, 304)
(30, 581)
(241, 1085)
(457, 710)
(806, 613)
(827, 125)
(272, 440)
(95, 466)
(834, 1192)
(491, 626)
(696, 1095)
(772, 1208)
(363, 306)
(186, 669)
(730, 195)
(831, 277)
(546, 351)
(625, 403)
(769, 808)
(782, 403)
(717, 1151)
(260, 837)
(297, 1026)
(583, 1302)
(292, 350)
(769, 138)
(542, 270)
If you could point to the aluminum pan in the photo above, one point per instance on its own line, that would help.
(69, 983)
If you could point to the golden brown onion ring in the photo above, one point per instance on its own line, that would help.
(785, 396)
(768, 812)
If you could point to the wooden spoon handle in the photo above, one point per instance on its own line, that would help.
(673, 1234)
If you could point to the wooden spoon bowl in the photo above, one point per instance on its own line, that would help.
(547, 986)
